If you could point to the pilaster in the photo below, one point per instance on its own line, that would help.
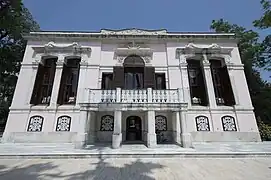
(209, 82)
(81, 82)
(81, 137)
(57, 81)
(185, 136)
(184, 79)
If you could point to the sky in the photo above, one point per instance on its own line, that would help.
(173, 15)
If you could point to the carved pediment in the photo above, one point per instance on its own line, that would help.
(134, 32)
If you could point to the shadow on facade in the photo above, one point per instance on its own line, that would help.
(98, 170)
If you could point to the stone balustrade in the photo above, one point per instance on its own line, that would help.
(168, 96)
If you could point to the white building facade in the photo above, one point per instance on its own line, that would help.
(131, 86)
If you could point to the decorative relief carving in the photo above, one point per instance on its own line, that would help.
(63, 123)
(228, 123)
(202, 123)
(107, 123)
(133, 32)
(160, 123)
(35, 124)
(52, 48)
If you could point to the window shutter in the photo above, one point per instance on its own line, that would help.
(60, 99)
(118, 77)
(149, 77)
(37, 85)
(227, 87)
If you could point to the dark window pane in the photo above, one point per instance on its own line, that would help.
(196, 83)
(160, 81)
(107, 81)
(69, 82)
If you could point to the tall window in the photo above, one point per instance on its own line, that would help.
(69, 82)
(160, 81)
(107, 81)
(222, 85)
(133, 78)
(197, 83)
(44, 82)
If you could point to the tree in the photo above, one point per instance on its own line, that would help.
(265, 23)
(15, 19)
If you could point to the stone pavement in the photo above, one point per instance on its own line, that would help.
(135, 169)
(28, 150)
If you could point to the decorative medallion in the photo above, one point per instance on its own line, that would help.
(35, 124)
(228, 123)
(63, 123)
(160, 123)
(202, 123)
(107, 123)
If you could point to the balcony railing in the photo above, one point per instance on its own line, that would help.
(97, 96)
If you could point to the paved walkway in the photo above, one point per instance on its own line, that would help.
(135, 169)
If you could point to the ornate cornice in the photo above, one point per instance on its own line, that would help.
(133, 32)
(53, 48)
(126, 34)
(192, 48)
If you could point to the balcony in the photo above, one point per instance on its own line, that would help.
(133, 99)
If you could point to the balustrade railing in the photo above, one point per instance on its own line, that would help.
(133, 96)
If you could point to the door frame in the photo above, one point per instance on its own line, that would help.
(138, 133)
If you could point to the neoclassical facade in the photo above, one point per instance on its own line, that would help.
(131, 86)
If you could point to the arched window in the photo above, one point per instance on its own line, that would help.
(107, 123)
(35, 124)
(63, 123)
(228, 123)
(160, 123)
(222, 85)
(202, 123)
(44, 82)
(196, 82)
(69, 82)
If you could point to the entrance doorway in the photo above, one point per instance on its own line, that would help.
(133, 128)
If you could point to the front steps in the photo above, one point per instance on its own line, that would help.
(66, 151)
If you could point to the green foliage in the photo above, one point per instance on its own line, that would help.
(254, 55)
(15, 19)
(265, 130)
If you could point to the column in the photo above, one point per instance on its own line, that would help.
(184, 79)
(81, 137)
(57, 81)
(209, 82)
(117, 135)
(151, 136)
(176, 127)
(185, 136)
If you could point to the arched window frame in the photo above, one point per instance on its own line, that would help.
(63, 123)
(228, 123)
(35, 123)
(202, 123)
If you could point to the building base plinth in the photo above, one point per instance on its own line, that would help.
(81, 140)
(186, 140)
(177, 138)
